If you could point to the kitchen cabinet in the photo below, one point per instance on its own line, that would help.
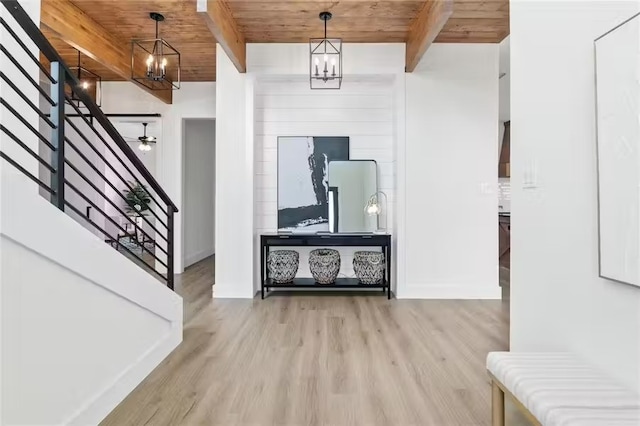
(504, 164)
(504, 240)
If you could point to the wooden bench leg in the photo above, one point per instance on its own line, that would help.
(497, 405)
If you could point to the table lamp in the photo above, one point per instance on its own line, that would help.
(375, 208)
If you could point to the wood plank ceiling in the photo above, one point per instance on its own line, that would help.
(129, 19)
(476, 21)
(364, 21)
(283, 21)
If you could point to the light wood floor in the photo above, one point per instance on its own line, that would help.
(313, 359)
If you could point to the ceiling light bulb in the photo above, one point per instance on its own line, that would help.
(164, 62)
(85, 85)
(317, 61)
(141, 147)
(333, 61)
(149, 60)
(326, 58)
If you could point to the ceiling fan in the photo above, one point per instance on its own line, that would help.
(145, 141)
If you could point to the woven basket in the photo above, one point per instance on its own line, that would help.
(283, 265)
(369, 267)
(324, 265)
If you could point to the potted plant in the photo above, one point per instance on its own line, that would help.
(137, 200)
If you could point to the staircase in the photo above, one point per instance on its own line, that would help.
(88, 307)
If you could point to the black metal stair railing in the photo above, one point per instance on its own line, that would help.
(84, 164)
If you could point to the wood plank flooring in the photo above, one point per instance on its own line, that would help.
(321, 360)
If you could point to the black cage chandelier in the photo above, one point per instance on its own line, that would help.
(154, 62)
(90, 83)
(325, 59)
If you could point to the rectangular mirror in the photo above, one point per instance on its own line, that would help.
(618, 141)
(351, 184)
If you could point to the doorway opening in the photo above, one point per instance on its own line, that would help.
(199, 174)
(504, 177)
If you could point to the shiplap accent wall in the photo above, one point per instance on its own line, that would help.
(362, 110)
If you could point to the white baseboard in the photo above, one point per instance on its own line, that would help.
(197, 257)
(448, 291)
(98, 408)
(232, 291)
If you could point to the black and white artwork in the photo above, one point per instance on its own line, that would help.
(303, 182)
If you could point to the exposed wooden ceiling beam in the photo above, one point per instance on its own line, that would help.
(75, 27)
(425, 29)
(224, 28)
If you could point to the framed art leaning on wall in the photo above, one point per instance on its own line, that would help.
(617, 71)
(303, 184)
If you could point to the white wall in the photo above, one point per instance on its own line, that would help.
(193, 100)
(234, 181)
(557, 300)
(451, 174)
(199, 190)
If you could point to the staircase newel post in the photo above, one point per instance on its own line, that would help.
(57, 134)
(170, 247)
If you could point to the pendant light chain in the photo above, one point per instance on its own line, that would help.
(161, 52)
(155, 43)
(325, 36)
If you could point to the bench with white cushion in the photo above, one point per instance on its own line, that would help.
(556, 389)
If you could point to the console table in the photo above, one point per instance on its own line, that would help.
(324, 240)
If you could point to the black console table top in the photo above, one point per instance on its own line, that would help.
(324, 240)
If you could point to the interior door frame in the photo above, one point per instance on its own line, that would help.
(183, 178)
